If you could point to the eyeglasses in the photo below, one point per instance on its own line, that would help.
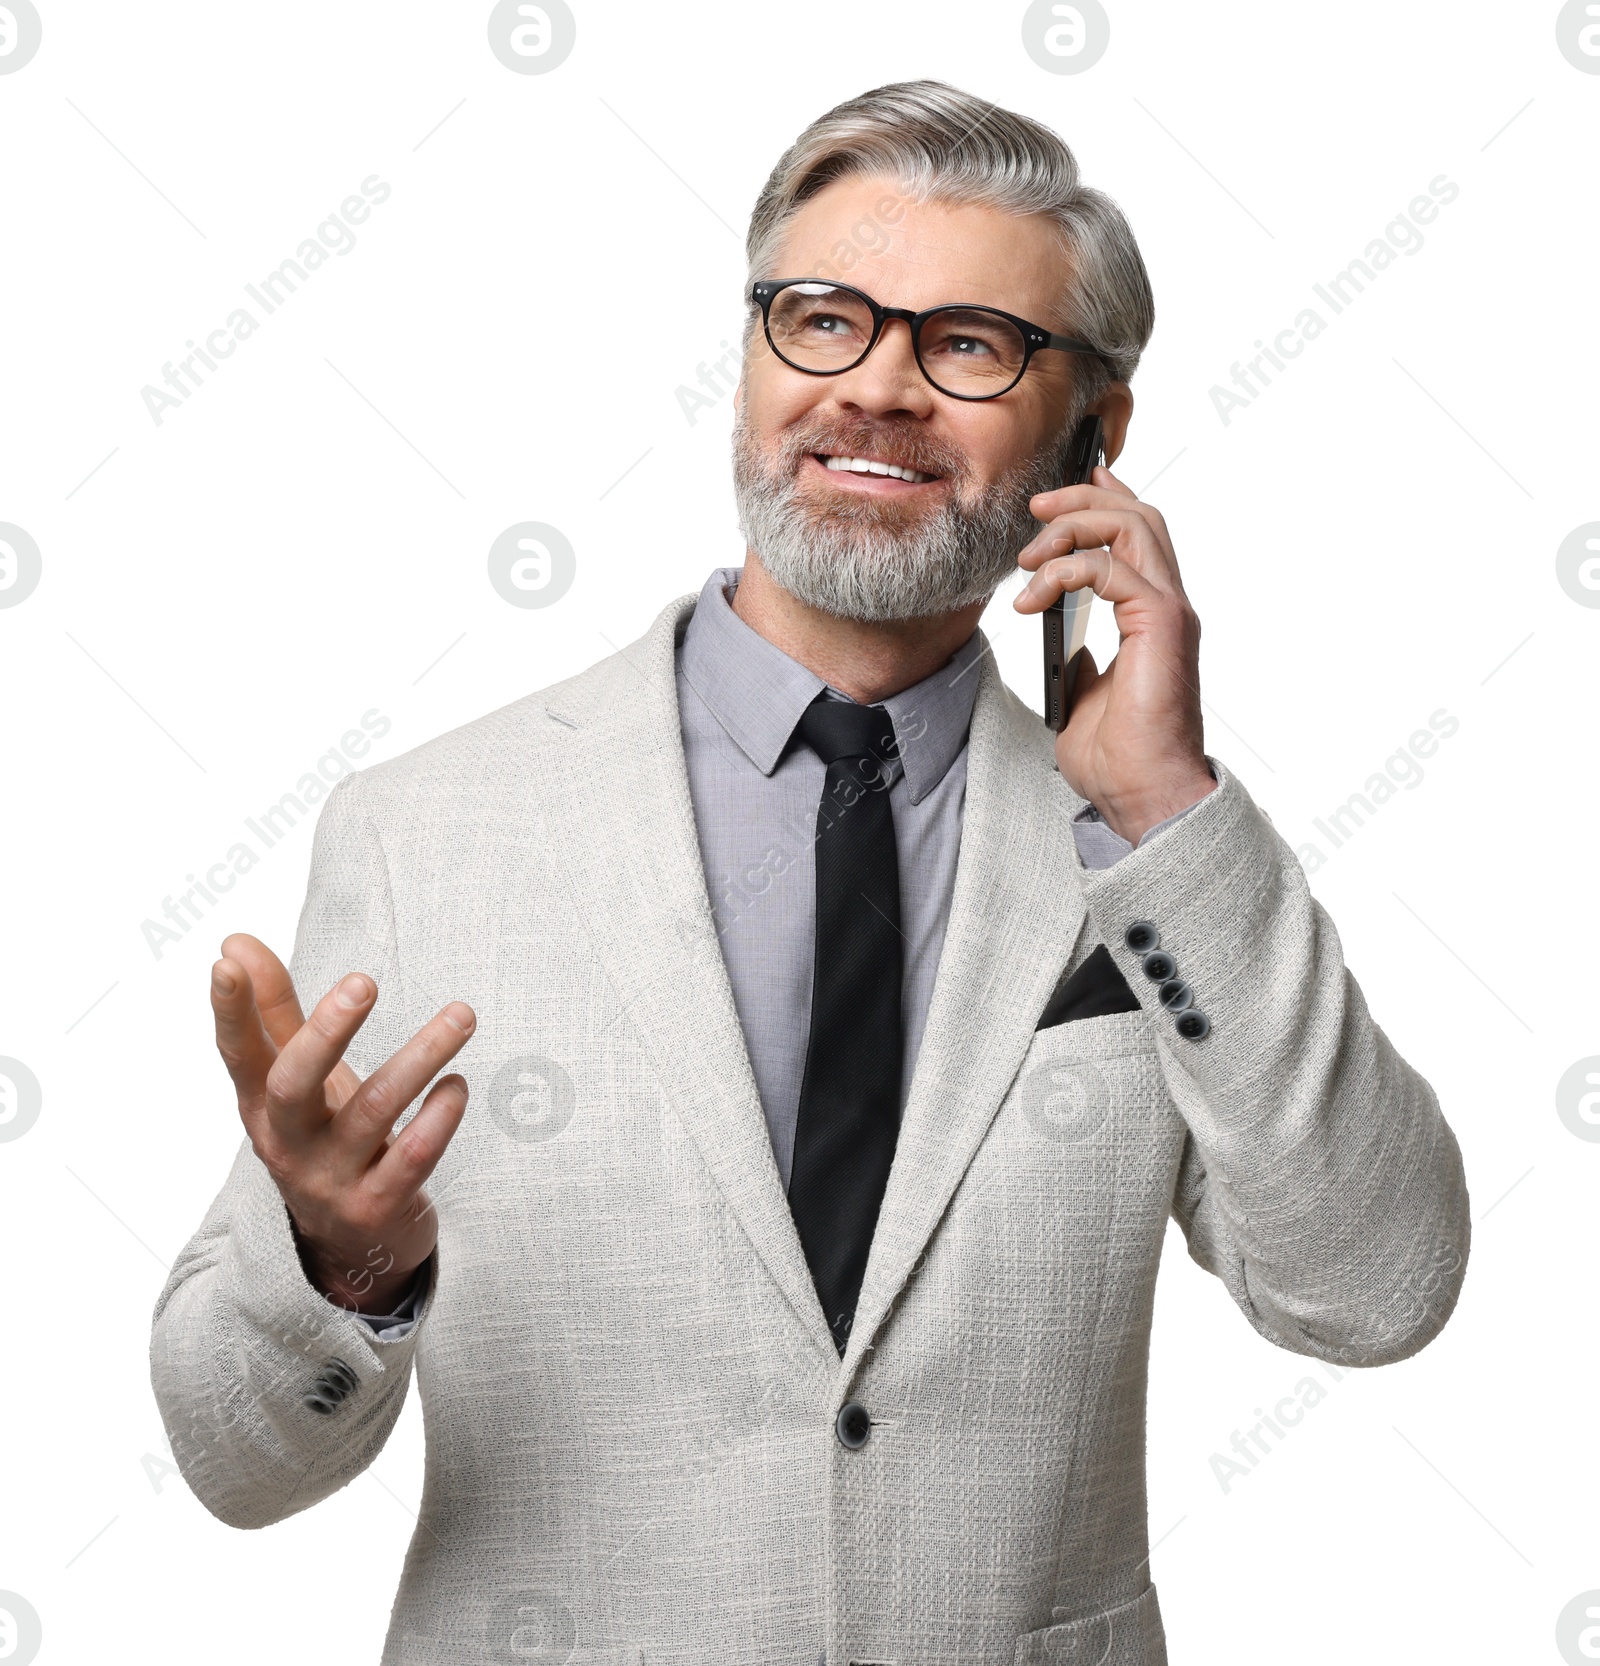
(968, 352)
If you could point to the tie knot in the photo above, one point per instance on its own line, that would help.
(836, 729)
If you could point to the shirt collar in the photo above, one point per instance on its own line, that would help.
(757, 693)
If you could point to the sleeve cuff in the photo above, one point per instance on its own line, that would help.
(1100, 845)
(394, 1327)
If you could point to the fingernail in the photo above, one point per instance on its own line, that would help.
(222, 980)
(353, 991)
(465, 1024)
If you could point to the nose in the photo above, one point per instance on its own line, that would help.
(888, 381)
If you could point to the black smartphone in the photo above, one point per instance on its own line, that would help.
(1066, 622)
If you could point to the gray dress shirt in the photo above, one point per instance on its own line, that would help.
(755, 798)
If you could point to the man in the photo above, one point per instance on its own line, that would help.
(839, 1040)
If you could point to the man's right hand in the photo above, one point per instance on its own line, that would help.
(353, 1188)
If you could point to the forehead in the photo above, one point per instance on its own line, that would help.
(867, 230)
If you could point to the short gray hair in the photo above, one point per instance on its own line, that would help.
(945, 145)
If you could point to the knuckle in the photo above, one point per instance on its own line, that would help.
(414, 1148)
(380, 1100)
(233, 1059)
(279, 1083)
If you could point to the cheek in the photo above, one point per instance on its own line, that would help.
(992, 440)
(774, 399)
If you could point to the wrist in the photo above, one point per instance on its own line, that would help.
(376, 1295)
(372, 1280)
(1133, 814)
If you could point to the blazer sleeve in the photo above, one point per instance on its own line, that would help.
(245, 1352)
(1319, 1180)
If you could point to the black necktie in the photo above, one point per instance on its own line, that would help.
(850, 1096)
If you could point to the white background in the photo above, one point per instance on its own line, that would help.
(223, 595)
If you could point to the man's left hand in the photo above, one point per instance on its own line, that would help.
(1134, 744)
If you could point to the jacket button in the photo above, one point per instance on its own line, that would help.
(340, 1374)
(1141, 936)
(331, 1387)
(1159, 966)
(1175, 995)
(1192, 1025)
(852, 1425)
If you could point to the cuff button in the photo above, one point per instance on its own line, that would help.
(1175, 995)
(1141, 936)
(1159, 966)
(1192, 1024)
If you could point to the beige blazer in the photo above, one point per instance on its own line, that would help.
(629, 1388)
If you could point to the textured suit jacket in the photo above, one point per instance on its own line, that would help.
(629, 1388)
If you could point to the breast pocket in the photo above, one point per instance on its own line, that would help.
(1076, 1072)
(1127, 1636)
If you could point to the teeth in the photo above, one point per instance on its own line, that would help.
(863, 465)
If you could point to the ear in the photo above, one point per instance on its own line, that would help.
(1114, 407)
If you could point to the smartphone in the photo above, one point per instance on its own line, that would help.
(1066, 622)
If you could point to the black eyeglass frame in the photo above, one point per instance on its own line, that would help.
(1034, 336)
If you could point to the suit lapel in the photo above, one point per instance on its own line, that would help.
(615, 803)
(613, 797)
(1015, 915)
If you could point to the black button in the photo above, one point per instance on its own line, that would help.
(1141, 936)
(319, 1403)
(1192, 1025)
(1175, 995)
(1159, 966)
(337, 1372)
(852, 1425)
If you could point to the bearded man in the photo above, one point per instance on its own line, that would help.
(840, 1039)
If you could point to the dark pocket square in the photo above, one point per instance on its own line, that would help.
(1095, 989)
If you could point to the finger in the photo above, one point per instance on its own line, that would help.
(1111, 482)
(242, 1040)
(298, 1095)
(1102, 488)
(1117, 581)
(1132, 537)
(403, 1169)
(1085, 677)
(274, 989)
(280, 1005)
(363, 1125)
(1106, 493)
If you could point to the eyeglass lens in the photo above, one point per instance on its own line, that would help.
(964, 351)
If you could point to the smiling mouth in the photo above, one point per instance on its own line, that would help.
(879, 471)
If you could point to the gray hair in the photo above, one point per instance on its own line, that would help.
(945, 145)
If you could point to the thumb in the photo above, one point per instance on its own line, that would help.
(1087, 675)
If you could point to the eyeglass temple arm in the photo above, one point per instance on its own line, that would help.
(1069, 344)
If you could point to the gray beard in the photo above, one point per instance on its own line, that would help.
(863, 558)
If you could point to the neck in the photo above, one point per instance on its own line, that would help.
(867, 661)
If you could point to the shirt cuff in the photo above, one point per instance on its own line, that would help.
(394, 1327)
(1100, 845)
